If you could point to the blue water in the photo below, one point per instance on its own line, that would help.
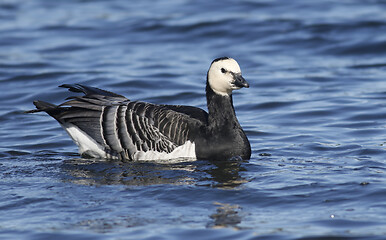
(314, 114)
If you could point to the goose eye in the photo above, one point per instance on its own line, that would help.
(223, 70)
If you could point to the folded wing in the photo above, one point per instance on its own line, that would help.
(126, 129)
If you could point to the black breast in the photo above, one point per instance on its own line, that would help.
(223, 138)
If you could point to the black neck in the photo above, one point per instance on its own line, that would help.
(221, 110)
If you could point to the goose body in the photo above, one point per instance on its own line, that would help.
(108, 125)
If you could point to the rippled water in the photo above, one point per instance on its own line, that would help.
(315, 116)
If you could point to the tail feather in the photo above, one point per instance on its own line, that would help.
(42, 106)
(82, 113)
(81, 103)
(89, 90)
(81, 123)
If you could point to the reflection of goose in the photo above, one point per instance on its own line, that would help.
(226, 216)
(216, 174)
(107, 125)
(137, 173)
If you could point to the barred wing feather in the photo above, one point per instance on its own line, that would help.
(127, 129)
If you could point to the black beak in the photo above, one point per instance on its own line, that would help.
(240, 81)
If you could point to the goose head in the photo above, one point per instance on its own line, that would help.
(224, 76)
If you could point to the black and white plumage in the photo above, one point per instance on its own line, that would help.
(107, 125)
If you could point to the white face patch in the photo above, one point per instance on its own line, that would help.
(220, 76)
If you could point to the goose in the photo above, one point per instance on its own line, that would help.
(107, 125)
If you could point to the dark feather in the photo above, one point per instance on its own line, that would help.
(124, 127)
(89, 90)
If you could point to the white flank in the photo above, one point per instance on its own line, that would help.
(87, 145)
(187, 151)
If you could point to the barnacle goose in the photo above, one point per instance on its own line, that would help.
(107, 125)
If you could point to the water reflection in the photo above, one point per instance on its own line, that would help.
(226, 215)
(202, 173)
(226, 174)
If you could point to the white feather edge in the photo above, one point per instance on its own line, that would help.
(88, 146)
